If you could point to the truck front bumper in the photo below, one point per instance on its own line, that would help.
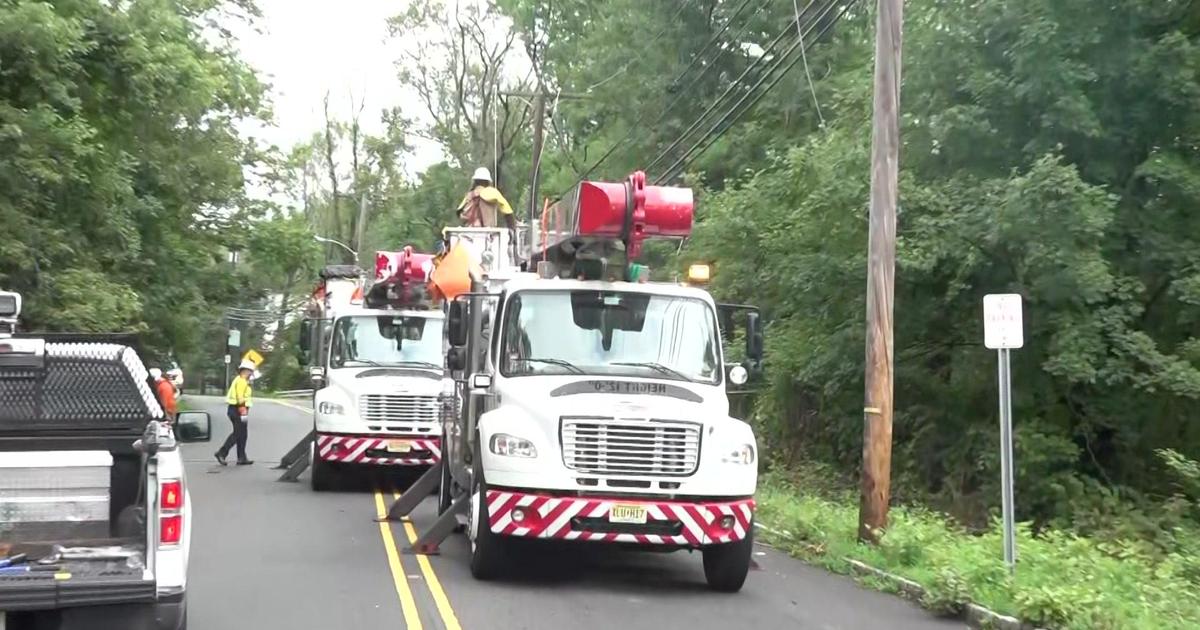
(635, 520)
(379, 450)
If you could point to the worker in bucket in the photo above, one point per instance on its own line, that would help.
(483, 204)
(238, 401)
(164, 391)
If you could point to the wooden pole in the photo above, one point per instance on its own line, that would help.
(539, 123)
(881, 271)
(361, 226)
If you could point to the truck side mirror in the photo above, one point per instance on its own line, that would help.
(456, 324)
(456, 359)
(754, 337)
(317, 376)
(306, 331)
(193, 426)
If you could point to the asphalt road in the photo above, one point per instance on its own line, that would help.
(271, 555)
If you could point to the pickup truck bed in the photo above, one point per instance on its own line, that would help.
(82, 397)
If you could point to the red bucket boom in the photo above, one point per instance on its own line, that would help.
(628, 211)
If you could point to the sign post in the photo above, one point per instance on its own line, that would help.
(1003, 330)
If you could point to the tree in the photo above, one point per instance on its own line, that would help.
(1042, 156)
(461, 61)
(121, 165)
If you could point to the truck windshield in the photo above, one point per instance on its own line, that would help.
(387, 341)
(610, 333)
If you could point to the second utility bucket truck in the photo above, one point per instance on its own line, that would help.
(375, 355)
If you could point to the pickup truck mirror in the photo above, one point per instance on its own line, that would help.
(193, 426)
(456, 324)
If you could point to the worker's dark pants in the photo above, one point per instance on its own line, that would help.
(238, 436)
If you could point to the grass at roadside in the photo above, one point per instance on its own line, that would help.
(1062, 581)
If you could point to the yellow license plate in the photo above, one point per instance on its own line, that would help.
(399, 446)
(632, 514)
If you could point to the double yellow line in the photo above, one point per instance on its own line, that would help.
(408, 603)
(412, 619)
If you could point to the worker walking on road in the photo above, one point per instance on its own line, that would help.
(164, 390)
(483, 204)
(238, 401)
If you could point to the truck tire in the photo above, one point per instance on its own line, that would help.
(321, 473)
(487, 548)
(726, 566)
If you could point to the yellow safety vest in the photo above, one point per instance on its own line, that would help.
(239, 392)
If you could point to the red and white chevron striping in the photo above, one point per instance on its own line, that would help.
(541, 516)
(366, 449)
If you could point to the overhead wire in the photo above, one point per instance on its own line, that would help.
(735, 84)
(732, 115)
(638, 123)
(804, 55)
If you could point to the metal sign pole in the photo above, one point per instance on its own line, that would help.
(1006, 459)
(1003, 330)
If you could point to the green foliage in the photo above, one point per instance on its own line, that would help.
(1050, 150)
(120, 166)
(1062, 580)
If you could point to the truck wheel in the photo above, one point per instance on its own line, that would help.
(487, 548)
(321, 473)
(726, 566)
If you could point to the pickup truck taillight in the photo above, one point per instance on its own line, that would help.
(170, 502)
(171, 497)
(170, 530)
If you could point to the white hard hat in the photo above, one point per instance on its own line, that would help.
(247, 364)
(482, 174)
(175, 372)
(155, 373)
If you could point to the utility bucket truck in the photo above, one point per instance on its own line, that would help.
(594, 402)
(375, 356)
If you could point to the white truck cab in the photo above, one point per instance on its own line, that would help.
(378, 376)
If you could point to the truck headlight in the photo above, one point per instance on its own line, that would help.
(743, 455)
(331, 409)
(512, 446)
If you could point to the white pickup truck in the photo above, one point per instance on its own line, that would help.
(95, 515)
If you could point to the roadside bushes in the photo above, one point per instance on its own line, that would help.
(1063, 580)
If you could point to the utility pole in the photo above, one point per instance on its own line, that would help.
(539, 124)
(881, 273)
(361, 226)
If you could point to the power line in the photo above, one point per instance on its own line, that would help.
(736, 12)
(733, 85)
(637, 125)
(730, 116)
(804, 55)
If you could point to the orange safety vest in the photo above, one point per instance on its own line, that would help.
(166, 395)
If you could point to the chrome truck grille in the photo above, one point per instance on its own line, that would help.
(398, 408)
(609, 446)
